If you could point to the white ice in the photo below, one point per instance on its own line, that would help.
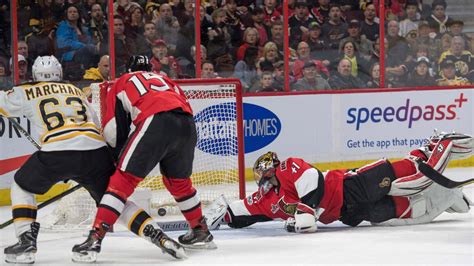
(447, 241)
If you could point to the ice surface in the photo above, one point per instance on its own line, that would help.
(448, 241)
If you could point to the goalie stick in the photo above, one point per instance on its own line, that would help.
(439, 178)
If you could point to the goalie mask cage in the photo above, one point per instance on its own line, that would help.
(218, 166)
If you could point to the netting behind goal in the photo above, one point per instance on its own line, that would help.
(218, 166)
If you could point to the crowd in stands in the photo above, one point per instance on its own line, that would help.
(333, 44)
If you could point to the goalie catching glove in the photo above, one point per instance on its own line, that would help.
(304, 220)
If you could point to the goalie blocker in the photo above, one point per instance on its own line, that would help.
(294, 191)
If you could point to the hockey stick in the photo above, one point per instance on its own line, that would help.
(46, 203)
(441, 179)
(18, 127)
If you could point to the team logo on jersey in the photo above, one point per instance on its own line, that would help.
(385, 182)
(283, 165)
(287, 208)
(261, 127)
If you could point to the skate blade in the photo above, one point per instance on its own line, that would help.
(204, 245)
(177, 253)
(90, 257)
(25, 258)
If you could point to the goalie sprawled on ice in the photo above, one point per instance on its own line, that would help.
(390, 193)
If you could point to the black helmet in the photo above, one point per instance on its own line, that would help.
(138, 63)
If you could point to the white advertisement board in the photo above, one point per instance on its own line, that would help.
(323, 127)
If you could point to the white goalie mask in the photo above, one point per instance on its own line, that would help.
(47, 68)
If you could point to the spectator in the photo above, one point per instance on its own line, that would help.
(359, 66)
(135, 21)
(362, 44)
(303, 51)
(438, 19)
(188, 67)
(258, 17)
(276, 35)
(101, 72)
(317, 44)
(5, 79)
(343, 79)
(23, 50)
(421, 77)
(124, 47)
(99, 28)
(456, 29)
(207, 70)
(270, 53)
(369, 27)
(424, 10)
(245, 69)
(265, 83)
(448, 75)
(411, 21)
(462, 58)
(335, 29)
(279, 76)
(75, 44)
(162, 62)
(311, 79)
(167, 27)
(122, 8)
(150, 36)
(233, 22)
(299, 23)
(250, 38)
(219, 46)
(271, 13)
(374, 81)
(427, 38)
(22, 69)
(96, 74)
(321, 11)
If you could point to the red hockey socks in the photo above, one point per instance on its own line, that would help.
(186, 196)
(121, 186)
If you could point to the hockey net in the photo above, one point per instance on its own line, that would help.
(218, 166)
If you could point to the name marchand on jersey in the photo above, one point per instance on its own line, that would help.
(59, 112)
(44, 89)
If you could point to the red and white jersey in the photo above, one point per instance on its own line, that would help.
(299, 183)
(59, 113)
(140, 95)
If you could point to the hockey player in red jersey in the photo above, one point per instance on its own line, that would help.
(382, 192)
(163, 132)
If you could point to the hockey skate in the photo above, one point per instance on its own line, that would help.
(87, 251)
(198, 237)
(24, 251)
(166, 244)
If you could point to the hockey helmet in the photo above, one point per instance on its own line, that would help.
(138, 63)
(47, 68)
(264, 169)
